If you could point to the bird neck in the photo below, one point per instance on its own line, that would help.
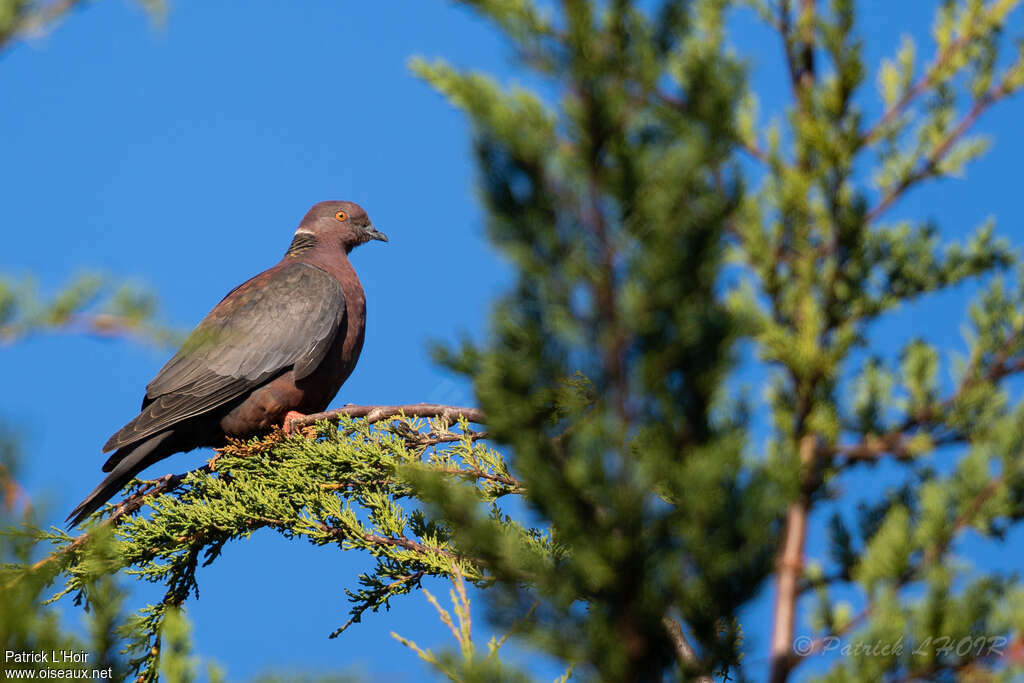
(301, 243)
(331, 259)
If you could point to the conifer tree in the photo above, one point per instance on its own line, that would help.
(653, 224)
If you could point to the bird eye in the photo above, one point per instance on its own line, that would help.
(341, 216)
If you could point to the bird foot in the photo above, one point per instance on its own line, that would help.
(289, 417)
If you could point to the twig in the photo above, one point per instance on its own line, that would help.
(374, 414)
(400, 542)
(473, 473)
(436, 439)
(980, 105)
(684, 652)
(874, 447)
(922, 84)
(386, 592)
(477, 473)
(99, 325)
(963, 519)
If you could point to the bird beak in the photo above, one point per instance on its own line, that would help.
(376, 234)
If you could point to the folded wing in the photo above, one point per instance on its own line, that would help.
(285, 318)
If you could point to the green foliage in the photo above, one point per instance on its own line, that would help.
(604, 364)
(348, 488)
(26, 625)
(20, 19)
(644, 251)
(90, 304)
(177, 663)
(470, 666)
(604, 367)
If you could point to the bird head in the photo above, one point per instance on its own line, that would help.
(341, 223)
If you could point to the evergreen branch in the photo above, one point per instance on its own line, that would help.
(372, 414)
(935, 552)
(678, 104)
(380, 596)
(895, 441)
(495, 645)
(124, 311)
(873, 447)
(785, 31)
(389, 541)
(436, 439)
(801, 73)
(931, 163)
(100, 325)
(923, 84)
(285, 483)
(477, 473)
(932, 555)
(129, 505)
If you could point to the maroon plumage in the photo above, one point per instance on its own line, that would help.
(284, 341)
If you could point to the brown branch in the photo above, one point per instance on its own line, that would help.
(894, 441)
(474, 473)
(477, 473)
(435, 439)
(931, 555)
(922, 84)
(874, 447)
(341, 486)
(790, 567)
(930, 165)
(373, 414)
(99, 325)
(603, 285)
(400, 542)
(963, 519)
(684, 652)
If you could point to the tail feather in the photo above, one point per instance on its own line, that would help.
(133, 460)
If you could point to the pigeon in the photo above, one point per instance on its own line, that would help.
(276, 347)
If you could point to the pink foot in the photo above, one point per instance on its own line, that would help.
(287, 422)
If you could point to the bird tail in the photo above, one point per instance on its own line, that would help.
(130, 461)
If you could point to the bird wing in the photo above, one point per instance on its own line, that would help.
(286, 317)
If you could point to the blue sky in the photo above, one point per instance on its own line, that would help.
(182, 156)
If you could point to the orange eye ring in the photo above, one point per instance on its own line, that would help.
(341, 216)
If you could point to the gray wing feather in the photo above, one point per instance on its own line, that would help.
(283, 318)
